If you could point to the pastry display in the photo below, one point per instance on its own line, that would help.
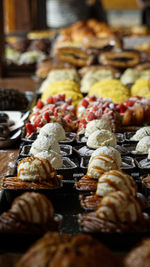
(139, 256)
(92, 107)
(111, 181)
(95, 125)
(62, 250)
(101, 138)
(30, 213)
(110, 89)
(53, 109)
(118, 212)
(88, 138)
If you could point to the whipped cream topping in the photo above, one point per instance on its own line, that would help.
(35, 169)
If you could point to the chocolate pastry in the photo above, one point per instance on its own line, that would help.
(75, 56)
(61, 250)
(12, 99)
(118, 212)
(121, 59)
(139, 256)
(30, 213)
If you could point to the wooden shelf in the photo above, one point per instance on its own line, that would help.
(120, 4)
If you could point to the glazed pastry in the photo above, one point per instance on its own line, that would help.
(43, 34)
(122, 59)
(139, 256)
(102, 160)
(75, 56)
(111, 181)
(65, 251)
(118, 212)
(30, 213)
(33, 173)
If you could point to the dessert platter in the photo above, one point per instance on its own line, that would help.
(82, 172)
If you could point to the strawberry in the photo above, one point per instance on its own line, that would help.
(56, 114)
(46, 116)
(129, 102)
(91, 116)
(69, 101)
(94, 108)
(49, 100)
(67, 118)
(84, 103)
(123, 108)
(83, 122)
(63, 96)
(52, 108)
(64, 106)
(38, 121)
(39, 104)
(92, 98)
(30, 128)
(54, 100)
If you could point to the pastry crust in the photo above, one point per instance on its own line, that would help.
(86, 184)
(123, 59)
(75, 56)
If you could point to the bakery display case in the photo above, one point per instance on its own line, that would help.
(75, 150)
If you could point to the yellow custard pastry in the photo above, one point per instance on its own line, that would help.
(110, 89)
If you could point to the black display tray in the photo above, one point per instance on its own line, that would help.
(66, 150)
(81, 139)
(70, 138)
(127, 166)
